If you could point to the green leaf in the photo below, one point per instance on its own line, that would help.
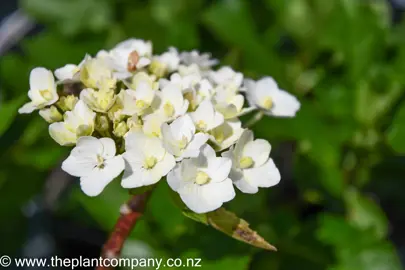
(72, 16)
(169, 219)
(14, 72)
(396, 132)
(202, 218)
(232, 22)
(104, 209)
(228, 223)
(8, 112)
(356, 248)
(364, 213)
(330, 224)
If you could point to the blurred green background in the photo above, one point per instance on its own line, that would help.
(340, 204)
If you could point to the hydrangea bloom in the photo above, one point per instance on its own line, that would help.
(154, 116)
(95, 162)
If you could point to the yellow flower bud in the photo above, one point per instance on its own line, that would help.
(157, 68)
(51, 114)
(67, 103)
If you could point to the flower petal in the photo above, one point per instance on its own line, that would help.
(163, 167)
(218, 168)
(87, 146)
(42, 79)
(206, 198)
(258, 150)
(194, 147)
(265, 176)
(27, 108)
(108, 147)
(94, 183)
(79, 167)
(285, 104)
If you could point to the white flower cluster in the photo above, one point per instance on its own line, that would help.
(152, 116)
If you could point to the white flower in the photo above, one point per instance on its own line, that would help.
(229, 103)
(203, 182)
(42, 90)
(189, 70)
(138, 100)
(171, 103)
(183, 82)
(95, 73)
(169, 60)
(67, 72)
(95, 162)
(120, 55)
(227, 77)
(203, 60)
(70, 72)
(77, 123)
(152, 124)
(146, 160)
(194, 88)
(140, 78)
(266, 95)
(205, 117)
(226, 134)
(99, 101)
(180, 140)
(251, 166)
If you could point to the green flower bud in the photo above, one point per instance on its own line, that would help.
(120, 129)
(102, 123)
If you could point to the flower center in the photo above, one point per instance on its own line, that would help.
(183, 142)
(140, 104)
(267, 103)
(202, 178)
(100, 162)
(245, 162)
(46, 94)
(150, 162)
(201, 125)
(168, 109)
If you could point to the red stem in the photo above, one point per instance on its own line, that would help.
(131, 211)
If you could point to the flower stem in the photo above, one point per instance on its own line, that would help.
(130, 211)
(256, 118)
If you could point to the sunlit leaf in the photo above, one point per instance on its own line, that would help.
(365, 213)
(228, 223)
